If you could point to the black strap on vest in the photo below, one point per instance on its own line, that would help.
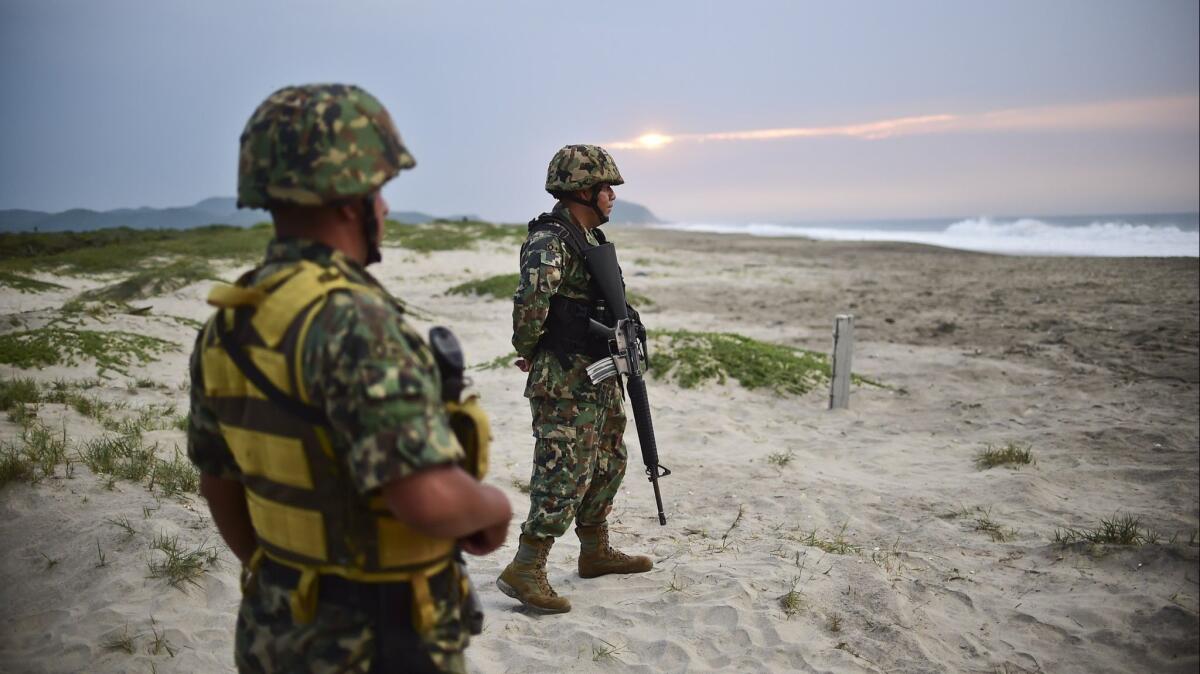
(307, 413)
(567, 325)
(567, 232)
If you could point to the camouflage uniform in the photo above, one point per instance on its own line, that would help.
(579, 456)
(360, 363)
(379, 385)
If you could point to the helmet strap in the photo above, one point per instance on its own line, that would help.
(593, 203)
(371, 230)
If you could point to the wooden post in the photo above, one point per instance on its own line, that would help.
(843, 351)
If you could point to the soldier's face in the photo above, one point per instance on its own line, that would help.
(606, 198)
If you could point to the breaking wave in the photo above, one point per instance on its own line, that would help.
(1023, 236)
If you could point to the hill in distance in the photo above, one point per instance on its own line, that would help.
(218, 211)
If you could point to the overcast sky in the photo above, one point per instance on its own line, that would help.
(764, 111)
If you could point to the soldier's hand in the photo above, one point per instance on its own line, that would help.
(522, 365)
(485, 540)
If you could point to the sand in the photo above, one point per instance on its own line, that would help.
(1092, 363)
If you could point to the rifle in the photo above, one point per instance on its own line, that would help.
(447, 352)
(626, 355)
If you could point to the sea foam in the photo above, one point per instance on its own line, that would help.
(1021, 236)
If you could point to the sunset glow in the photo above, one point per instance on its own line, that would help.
(1171, 112)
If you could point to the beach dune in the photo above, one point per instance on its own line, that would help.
(799, 539)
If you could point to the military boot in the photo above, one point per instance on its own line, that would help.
(524, 579)
(598, 558)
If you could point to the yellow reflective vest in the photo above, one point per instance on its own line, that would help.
(304, 507)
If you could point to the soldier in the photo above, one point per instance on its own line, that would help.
(579, 457)
(317, 421)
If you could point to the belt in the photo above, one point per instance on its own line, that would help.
(335, 589)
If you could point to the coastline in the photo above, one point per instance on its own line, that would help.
(875, 522)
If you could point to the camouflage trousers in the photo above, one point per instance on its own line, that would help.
(365, 634)
(578, 463)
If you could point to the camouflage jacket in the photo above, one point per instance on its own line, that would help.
(547, 269)
(372, 374)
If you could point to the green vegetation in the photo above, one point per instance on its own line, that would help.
(119, 642)
(449, 235)
(114, 350)
(607, 652)
(118, 249)
(24, 283)
(40, 451)
(792, 601)
(153, 282)
(981, 519)
(17, 392)
(122, 456)
(835, 622)
(175, 477)
(836, 545)
(638, 300)
(180, 566)
(984, 523)
(694, 358)
(499, 362)
(499, 287)
(124, 525)
(781, 459)
(1117, 530)
(1012, 453)
(119, 455)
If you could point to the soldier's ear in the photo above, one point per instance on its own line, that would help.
(349, 211)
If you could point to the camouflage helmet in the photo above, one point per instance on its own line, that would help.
(579, 167)
(317, 144)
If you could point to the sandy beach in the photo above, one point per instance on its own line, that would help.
(799, 539)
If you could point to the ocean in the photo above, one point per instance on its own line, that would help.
(1125, 235)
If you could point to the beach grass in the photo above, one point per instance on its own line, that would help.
(153, 282)
(792, 602)
(24, 283)
(834, 544)
(121, 456)
(694, 358)
(180, 566)
(781, 459)
(500, 287)
(37, 456)
(121, 641)
(159, 643)
(442, 235)
(834, 622)
(118, 249)
(498, 363)
(175, 477)
(18, 392)
(1116, 530)
(1008, 454)
(114, 351)
(606, 651)
(983, 522)
(124, 525)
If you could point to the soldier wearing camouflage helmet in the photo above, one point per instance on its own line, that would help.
(579, 456)
(317, 417)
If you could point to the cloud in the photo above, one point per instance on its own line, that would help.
(1178, 112)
